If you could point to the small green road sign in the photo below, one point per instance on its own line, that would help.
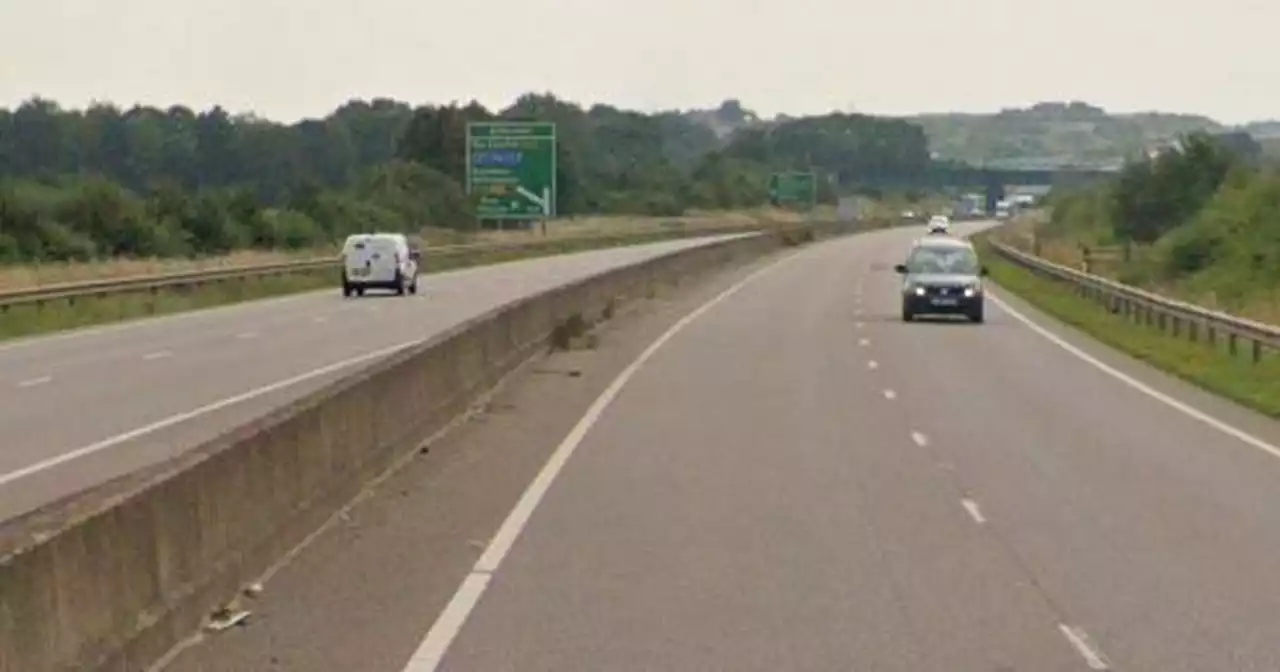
(793, 190)
(511, 169)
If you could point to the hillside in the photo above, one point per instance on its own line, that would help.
(1047, 133)
(1062, 133)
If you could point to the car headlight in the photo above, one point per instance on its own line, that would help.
(919, 291)
(969, 292)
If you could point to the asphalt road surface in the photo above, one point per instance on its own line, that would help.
(80, 408)
(797, 480)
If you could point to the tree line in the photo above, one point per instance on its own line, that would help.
(1207, 210)
(143, 181)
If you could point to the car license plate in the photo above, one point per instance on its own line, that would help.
(945, 302)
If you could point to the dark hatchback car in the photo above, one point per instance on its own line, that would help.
(942, 276)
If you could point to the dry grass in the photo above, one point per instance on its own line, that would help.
(36, 275)
(1263, 307)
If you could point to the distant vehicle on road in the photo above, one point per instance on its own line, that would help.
(379, 261)
(939, 224)
(942, 276)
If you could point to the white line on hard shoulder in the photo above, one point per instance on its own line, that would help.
(32, 382)
(431, 651)
(873, 365)
(920, 439)
(1185, 409)
(160, 354)
(1087, 650)
(247, 335)
(890, 394)
(172, 420)
(864, 342)
(974, 512)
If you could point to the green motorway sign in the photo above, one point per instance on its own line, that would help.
(793, 190)
(511, 169)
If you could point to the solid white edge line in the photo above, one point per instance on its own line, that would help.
(864, 342)
(920, 439)
(974, 512)
(32, 382)
(890, 394)
(430, 653)
(1080, 642)
(1185, 409)
(172, 420)
(873, 365)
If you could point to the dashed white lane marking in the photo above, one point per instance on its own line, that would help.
(864, 342)
(857, 325)
(1185, 409)
(160, 354)
(35, 381)
(974, 512)
(246, 335)
(857, 311)
(920, 439)
(432, 650)
(320, 319)
(890, 394)
(1080, 641)
(873, 365)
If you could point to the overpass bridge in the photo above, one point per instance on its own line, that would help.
(993, 181)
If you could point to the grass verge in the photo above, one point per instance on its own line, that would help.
(1211, 367)
(30, 320)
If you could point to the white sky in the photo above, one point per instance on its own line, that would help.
(287, 59)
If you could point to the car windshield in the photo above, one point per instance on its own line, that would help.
(957, 260)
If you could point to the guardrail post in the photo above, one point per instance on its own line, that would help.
(1257, 351)
(1193, 331)
(1232, 344)
(1211, 334)
(1177, 326)
(1162, 322)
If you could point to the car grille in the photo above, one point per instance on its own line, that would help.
(944, 290)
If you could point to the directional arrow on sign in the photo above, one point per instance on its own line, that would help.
(543, 201)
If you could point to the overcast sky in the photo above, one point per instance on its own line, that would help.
(287, 59)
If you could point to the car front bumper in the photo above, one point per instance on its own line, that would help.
(942, 305)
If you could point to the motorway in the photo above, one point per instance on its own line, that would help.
(83, 407)
(797, 480)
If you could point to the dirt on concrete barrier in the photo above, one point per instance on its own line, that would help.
(112, 578)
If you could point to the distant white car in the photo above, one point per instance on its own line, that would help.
(939, 224)
(379, 261)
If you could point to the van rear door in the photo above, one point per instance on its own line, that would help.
(377, 258)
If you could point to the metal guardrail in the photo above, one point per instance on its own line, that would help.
(1175, 318)
(154, 284)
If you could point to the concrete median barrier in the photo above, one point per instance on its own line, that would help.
(112, 578)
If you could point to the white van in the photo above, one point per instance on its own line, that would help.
(379, 261)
